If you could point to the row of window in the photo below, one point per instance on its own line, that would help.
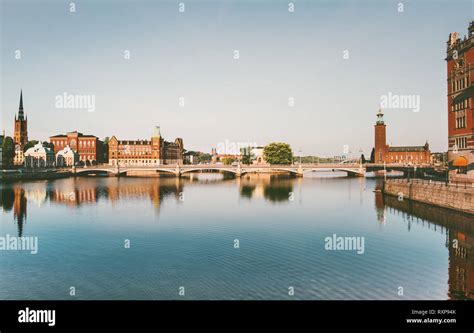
(402, 158)
(460, 143)
(82, 144)
(459, 84)
(461, 121)
(464, 104)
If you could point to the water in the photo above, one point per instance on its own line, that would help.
(182, 233)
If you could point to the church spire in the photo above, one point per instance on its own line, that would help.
(20, 109)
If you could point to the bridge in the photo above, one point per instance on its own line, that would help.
(353, 169)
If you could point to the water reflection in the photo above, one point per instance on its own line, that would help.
(75, 193)
(459, 230)
(274, 188)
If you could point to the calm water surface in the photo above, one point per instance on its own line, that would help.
(182, 233)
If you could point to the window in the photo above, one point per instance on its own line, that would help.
(461, 143)
(461, 120)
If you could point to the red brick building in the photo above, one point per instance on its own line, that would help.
(460, 74)
(89, 147)
(383, 153)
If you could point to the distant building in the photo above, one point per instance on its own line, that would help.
(39, 156)
(19, 157)
(66, 157)
(384, 153)
(460, 71)
(156, 151)
(88, 147)
(257, 155)
(20, 136)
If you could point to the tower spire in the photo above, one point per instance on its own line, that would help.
(20, 109)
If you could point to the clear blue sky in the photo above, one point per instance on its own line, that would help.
(190, 54)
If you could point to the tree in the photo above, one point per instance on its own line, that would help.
(278, 153)
(247, 155)
(29, 144)
(204, 158)
(46, 144)
(228, 160)
(8, 151)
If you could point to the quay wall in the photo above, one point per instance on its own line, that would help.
(457, 196)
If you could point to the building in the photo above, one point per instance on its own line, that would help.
(20, 136)
(460, 74)
(39, 157)
(155, 151)
(66, 157)
(19, 157)
(383, 153)
(88, 147)
(257, 155)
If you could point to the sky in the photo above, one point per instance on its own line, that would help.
(147, 64)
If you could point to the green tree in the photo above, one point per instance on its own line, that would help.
(278, 153)
(29, 144)
(8, 151)
(204, 158)
(46, 144)
(247, 156)
(228, 160)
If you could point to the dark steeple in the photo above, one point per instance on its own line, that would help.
(20, 109)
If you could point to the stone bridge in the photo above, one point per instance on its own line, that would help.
(353, 169)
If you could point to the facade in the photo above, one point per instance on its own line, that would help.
(88, 147)
(383, 153)
(460, 73)
(257, 155)
(19, 157)
(155, 151)
(20, 136)
(66, 157)
(39, 157)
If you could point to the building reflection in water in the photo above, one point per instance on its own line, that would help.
(14, 199)
(459, 230)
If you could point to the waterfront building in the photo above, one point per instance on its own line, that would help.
(460, 74)
(39, 156)
(66, 157)
(88, 147)
(257, 155)
(20, 136)
(155, 151)
(383, 153)
(19, 157)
